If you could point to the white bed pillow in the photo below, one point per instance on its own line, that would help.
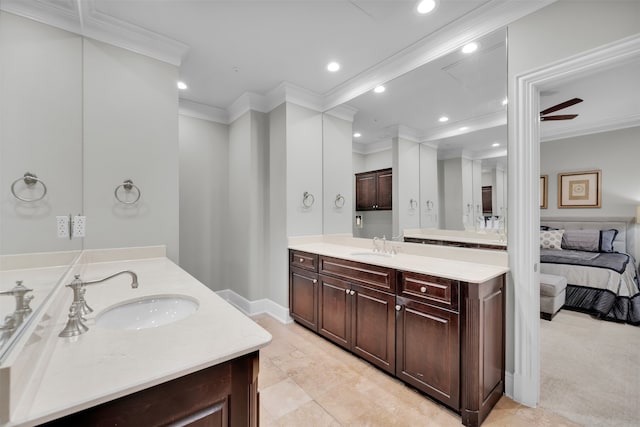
(551, 239)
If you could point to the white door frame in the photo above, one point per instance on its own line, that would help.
(524, 203)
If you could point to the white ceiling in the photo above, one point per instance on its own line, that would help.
(227, 48)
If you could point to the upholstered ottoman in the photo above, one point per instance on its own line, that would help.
(553, 290)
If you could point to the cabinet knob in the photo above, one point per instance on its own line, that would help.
(398, 307)
(315, 280)
(346, 291)
(352, 292)
(423, 289)
(301, 259)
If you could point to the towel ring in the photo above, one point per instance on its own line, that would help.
(413, 203)
(30, 180)
(128, 186)
(429, 205)
(339, 202)
(308, 199)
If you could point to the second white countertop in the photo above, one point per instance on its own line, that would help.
(443, 265)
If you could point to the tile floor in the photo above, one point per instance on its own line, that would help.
(306, 380)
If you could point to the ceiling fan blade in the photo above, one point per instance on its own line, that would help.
(559, 117)
(560, 106)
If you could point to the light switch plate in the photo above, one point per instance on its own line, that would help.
(62, 226)
(79, 225)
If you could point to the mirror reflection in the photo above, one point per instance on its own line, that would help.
(41, 137)
(442, 130)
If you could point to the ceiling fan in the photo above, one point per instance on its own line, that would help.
(562, 105)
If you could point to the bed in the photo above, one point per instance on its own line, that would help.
(596, 257)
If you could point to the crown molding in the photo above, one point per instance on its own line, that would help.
(63, 15)
(203, 111)
(605, 125)
(487, 121)
(372, 147)
(82, 17)
(489, 17)
(344, 112)
(405, 132)
(246, 102)
(288, 92)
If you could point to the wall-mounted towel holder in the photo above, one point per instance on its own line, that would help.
(127, 186)
(30, 180)
(308, 199)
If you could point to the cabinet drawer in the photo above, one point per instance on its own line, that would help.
(366, 274)
(303, 260)
(434, 290)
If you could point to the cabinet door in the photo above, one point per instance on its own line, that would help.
(303, 297)
(428, 350)
(384, 190)
(373, 326)
(365, 192)
(334, 310)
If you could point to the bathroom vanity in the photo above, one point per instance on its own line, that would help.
(200, 370)
(432, 318)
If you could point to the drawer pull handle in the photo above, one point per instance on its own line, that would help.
(423, 289)
(352, 292)
(398, 307)
(301, 259)
(315, 280)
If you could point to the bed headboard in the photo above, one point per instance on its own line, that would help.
(624, 241)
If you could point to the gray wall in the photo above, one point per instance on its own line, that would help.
(130, 132)
(204, 151)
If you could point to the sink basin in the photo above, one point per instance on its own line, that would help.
(371, 254)
(147, 312)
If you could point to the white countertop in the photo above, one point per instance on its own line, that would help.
(442, 266)
(490, 238)
(103, 364)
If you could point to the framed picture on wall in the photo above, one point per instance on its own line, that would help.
(580, 189)
(543, 191)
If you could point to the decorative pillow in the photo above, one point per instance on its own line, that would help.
(606, 240)
(581, 240)
(551, 239)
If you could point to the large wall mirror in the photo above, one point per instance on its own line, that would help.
(41, 136)
(442, 128)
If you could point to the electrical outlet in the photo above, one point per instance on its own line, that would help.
(79, 225)
(62, 226)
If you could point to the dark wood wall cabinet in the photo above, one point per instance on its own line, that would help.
(373, 190)
(443, 337)
(222, 395)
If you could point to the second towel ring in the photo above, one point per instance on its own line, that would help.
(413, 204)
(339, 202)
(128, 186)
(30, 179)
(308, 199)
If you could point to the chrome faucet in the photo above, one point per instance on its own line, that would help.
(22, 301)
(79, 307)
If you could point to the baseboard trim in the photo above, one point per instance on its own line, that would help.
(253, 308)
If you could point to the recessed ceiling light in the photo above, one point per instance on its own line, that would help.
(495, 144)
(463, 128)
(182, 85)
(426, 6)
(333, 67)
(505, 101)
(379, 89)
(470, 47)
(443, 119)
(357, 135)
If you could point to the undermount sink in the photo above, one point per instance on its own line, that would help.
(147, 312)
(372, 254)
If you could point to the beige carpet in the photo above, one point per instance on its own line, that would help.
(590, 370)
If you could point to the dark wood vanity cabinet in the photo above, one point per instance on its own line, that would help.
(303, 288)
(374, 190)
(442, 336)
(221, 395)
(354, 314)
